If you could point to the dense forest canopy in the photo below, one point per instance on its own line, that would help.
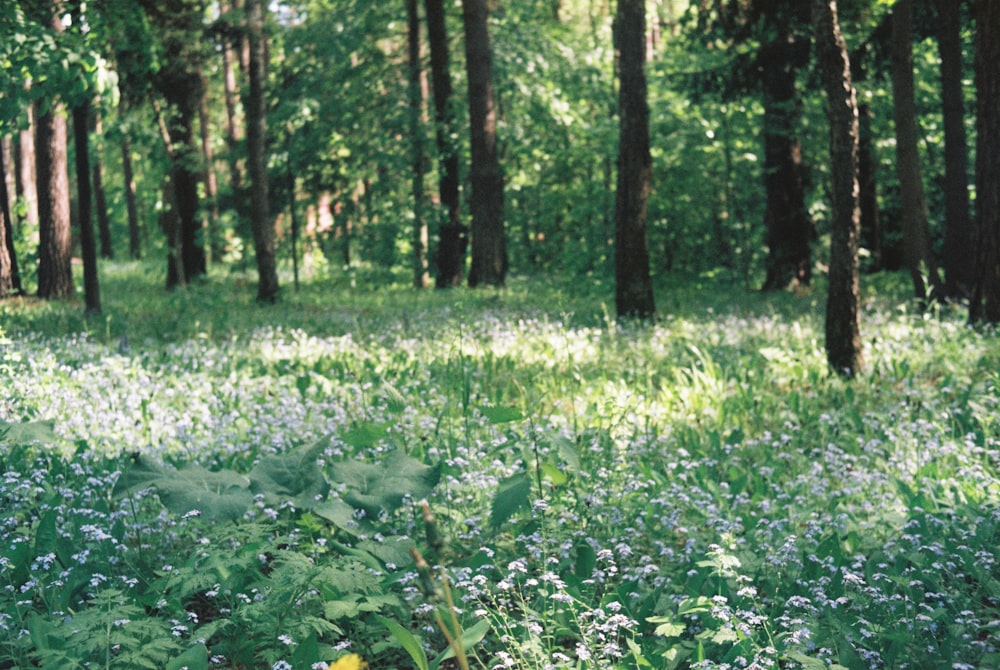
(357, 136)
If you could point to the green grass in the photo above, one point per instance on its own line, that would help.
(206, 482)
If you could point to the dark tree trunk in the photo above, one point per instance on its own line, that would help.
(420, 278)
(788, 228)
(100, 198)
(88, 245)
(633, 286)
(234, 129)
(489, 248)
(958, 220)
(871, 223)
(916, 236)
(985, 303)
(452, 234)
(211, 181)
(55, 272)
(9, 167)
(843, 338)
(260, 216)
(10, 279)
(134, 228)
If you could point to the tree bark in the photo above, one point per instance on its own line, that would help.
(985, 302)
(633, 286)
(452, 234)
(260, 217)
(788, 228)
(913, 203)
(211, 181)
(843, 338)
(55, 273)
(420, 277)
(134, 228)
(88, 245)
(100, 197)
(489, 248)
(27, 178)
(10, 280)
(958, 220)
(871, 221)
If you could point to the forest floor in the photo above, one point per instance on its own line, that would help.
(193, 480)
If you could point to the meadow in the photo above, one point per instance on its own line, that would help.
(493, 479)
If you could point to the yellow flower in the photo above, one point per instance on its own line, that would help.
(349, 662)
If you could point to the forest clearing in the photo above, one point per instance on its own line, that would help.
(205, 482)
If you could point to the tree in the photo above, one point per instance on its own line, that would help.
(88, 245)
(843, 339)
(55, 275)
(958, 220)
(787, 223)
(260, 217)
(452, 235)
(489, 249)
(10, 279)
(178, 35)
(916, 235)
(633, 287)
(419, 240)
(100, 196)
(984, 305)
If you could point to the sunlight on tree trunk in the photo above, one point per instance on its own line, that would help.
(843, 339)
(419, 228)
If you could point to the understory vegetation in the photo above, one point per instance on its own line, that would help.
(194, 481)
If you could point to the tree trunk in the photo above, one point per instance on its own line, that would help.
(55, 273)
(88, 246)
(9, 167)
(10, 280)
(633, 287)
(489, 249)
(100, 197)
(134, 228)
(27, 177)
(985, 303)
(211, 181)
(452, 234)
(958, 220)
(913, 203)
(871, 223)
(260, 216)
(788, 228)
(420, 278)
(843, 338)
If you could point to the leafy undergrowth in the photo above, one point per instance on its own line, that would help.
(197, 482)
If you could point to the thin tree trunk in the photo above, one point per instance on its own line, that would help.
(871, 221)
(958, 220)
(9, 167)
(55, 273)
(10, 281)
(100, 197)
(916, 236)
(260, 217)
(843, 339)
(88, 246)
(633, 287)
(788, 227)
(211, 181)
(452, 234)
(134, 227)
(27, 177)
(985, 303)
(489, 250)
(234, 128)
(420, 277)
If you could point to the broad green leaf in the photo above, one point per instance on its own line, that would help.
(194, 658)
(374, 487)
(471, 636)
(337, 512)
(552, 473)
(586, 560)
(294, 476)
(511, 496)
(408, 641)
(501, 414)
(807, 662)
(636, 650)
(567, 450)
(30, 432)
(364, 435)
